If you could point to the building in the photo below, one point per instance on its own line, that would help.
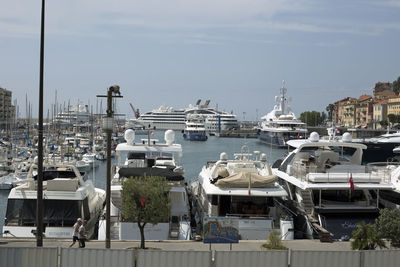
(380, 113)
(364, 111)
(7, 111)
(345, 111)
(383, 90)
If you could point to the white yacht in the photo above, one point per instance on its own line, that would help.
(165, 118)
(194, 128)
(90, 158)
(329, 189)
(281, 124)
(148, 157)
(67, 195)
(243, 188)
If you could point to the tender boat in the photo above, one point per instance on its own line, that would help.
(243, 188)
(329, 189)
(150, 158)
(67, 195)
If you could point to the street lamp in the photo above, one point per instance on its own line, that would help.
(108, 126)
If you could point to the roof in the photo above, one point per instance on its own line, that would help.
(147, 148)
(307, 143)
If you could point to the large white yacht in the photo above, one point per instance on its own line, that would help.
(165, 118)
(281, 124)
(243, 188)
(148, 157)
(329, 189)
(67, 196)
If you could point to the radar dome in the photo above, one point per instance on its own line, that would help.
(346, 137)
(263, 157)
(223, 156)
(129, 136)
(169, 137)
(314, 137)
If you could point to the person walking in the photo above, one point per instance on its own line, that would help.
(82, 234)
(76, 231)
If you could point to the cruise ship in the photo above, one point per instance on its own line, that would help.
(165, 118)
(281, 125)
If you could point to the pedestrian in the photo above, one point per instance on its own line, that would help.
(76, 231)
(82, 234)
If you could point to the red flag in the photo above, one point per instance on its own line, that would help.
(351, 183)
(152, 133)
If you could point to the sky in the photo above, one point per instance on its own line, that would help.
(234, 52)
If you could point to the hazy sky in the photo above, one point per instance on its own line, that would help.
(234, 52)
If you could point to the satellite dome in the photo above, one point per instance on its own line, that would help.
(169, 137)
(314, 137)
(346, 137)
(129, 136)
(223, 156)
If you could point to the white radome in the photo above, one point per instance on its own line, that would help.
(129, 136)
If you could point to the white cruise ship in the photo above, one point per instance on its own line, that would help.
(165, 118)
(281, 125)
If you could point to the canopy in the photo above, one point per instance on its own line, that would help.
(242, 179)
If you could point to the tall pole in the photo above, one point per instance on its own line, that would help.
(108, 128)
(39, 202)
(108, 189)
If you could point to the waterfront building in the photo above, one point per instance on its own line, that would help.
(393, 106)
(379, 113)
(364, 111)
(345, 112)
(7, 110)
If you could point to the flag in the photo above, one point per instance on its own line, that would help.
(351, 183)
(152, 133)
(249, 184)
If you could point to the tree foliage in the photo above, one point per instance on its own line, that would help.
(274, 241)
(384, 123)
(388, 224)
(366, 237)
(312, 118)
(145, 200)
(330, 109)
(393, 118)
(396, 85)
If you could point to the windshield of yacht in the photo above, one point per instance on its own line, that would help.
(22, 212)
(345, 153)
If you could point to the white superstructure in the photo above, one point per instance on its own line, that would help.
(150, 158)
(329, 188)
(281, 124)
(244, 188)
(67, 196)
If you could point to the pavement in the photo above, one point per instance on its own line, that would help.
(182, 245)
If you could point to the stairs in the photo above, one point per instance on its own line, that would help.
(307, 202)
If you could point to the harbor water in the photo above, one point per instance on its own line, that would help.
(195, 156)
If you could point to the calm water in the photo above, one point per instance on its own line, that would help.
(195, 155)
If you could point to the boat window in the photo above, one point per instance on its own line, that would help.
(339, 196)
(52, 174)
(133, 155)
(286, 162)
(345, 152)
(22, 212)
(86, 210)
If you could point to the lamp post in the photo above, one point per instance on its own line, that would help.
(39, 198)
(108, 126)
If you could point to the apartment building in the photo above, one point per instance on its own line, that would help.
(7, 110)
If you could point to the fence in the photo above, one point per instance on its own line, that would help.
(68, 257)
